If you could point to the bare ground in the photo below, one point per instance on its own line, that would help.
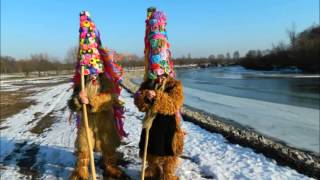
(12, 102)
(44, 123)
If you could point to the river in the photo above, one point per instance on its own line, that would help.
(281, 104)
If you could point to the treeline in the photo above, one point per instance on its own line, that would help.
(181, 61)
(42, 63)
(36, 63)
(205, 62)
(303, 52)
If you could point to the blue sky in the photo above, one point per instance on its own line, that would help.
(198, 27)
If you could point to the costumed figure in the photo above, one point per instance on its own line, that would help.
(101, 94)
(161, 97)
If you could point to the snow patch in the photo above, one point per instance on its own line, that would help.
(206, 155)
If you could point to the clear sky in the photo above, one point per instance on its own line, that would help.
(198, 27)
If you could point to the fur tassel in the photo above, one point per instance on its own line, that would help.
(74, 104)
(81, 170)
(166, 166)
(140, 101)
(169, 102)
(178, 142)
(101, 102)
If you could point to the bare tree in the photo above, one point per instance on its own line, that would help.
(7, 64)
(280, 47)
(236, 55)
(228, 56)
(189, 55)
(220, 56)
(72, 55)
(251, 54)
(40, 62)
(211, 56)
(292, 33)
(26, 66)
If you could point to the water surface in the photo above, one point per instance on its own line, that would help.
(280, 104)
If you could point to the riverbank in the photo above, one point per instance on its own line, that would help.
(38, 143)
(303, 161)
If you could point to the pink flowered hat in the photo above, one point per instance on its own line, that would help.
(89, 41)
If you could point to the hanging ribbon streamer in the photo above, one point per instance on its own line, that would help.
(96, 59)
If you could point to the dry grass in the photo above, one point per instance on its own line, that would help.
(43, 84)
(44, 123)
(12, 102)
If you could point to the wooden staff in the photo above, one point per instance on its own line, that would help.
(150, 116)
(147, 123)
(86, 125)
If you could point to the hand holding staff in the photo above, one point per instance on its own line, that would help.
(147, 123)
(86, 125)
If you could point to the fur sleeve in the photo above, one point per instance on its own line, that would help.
(140, 100)
(74, 103)
(169, 103)
(101, 102)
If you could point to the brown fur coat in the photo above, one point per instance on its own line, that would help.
(167, 102)
(166, 136)
(102, 125)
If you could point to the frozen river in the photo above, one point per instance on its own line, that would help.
(280, 104)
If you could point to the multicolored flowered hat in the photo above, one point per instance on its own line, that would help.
(89, 41)
(157, 54)
(93, 56)
(96, 59)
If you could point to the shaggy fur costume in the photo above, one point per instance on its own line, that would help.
(102, 128)
(165, 136)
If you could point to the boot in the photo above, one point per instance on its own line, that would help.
(81, 171)
(170, 164)
(170, 177)
(152, 173)
(111, 169)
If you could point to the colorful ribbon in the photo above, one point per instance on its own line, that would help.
(96, 59)
(157, 46)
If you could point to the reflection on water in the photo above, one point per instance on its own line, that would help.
(285, 87)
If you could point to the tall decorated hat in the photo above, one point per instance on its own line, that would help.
(93, 56)
(89, 41)
(96, 60)
(157, 54)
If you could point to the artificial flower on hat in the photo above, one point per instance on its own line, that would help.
(88, 44)
(99, 60)
(157, 53)
(93, 56)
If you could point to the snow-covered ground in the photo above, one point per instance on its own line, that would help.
(49, 155)
(15, 84)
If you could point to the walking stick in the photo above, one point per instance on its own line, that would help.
(86, 125)
(147, 123)
(151, 118)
